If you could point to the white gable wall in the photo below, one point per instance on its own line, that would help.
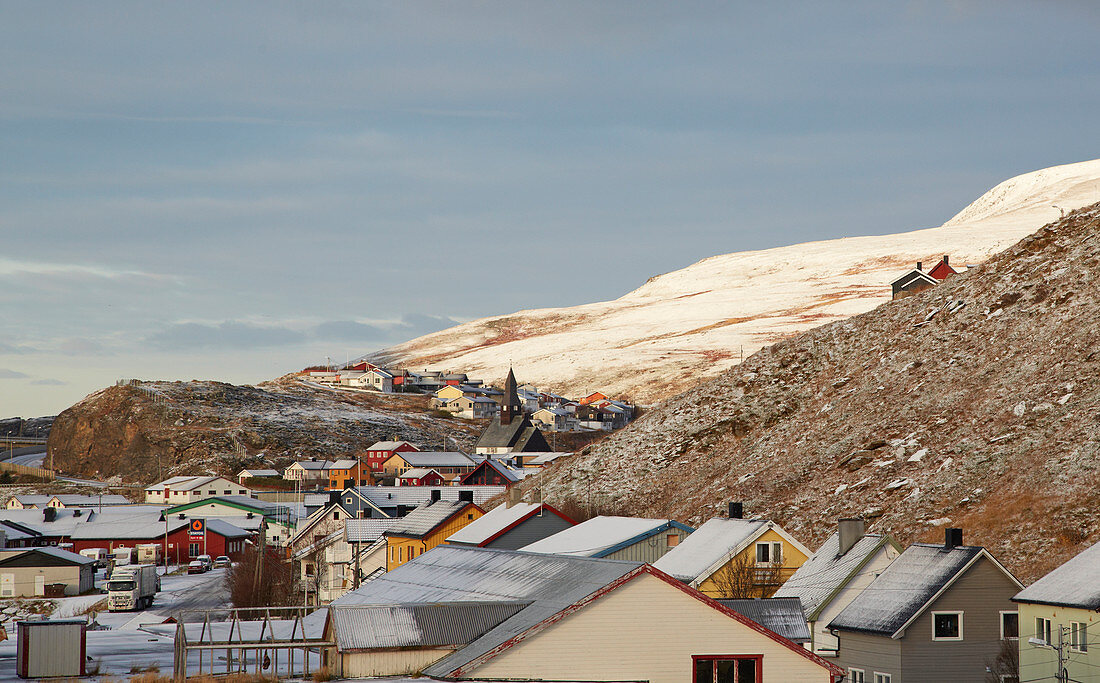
(644, 630)
(825, 643)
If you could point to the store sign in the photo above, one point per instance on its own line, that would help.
(198, 529)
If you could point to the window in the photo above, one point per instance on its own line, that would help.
(336, 514)
(768, 553)
(193, 550)
(1010, 625)
(856, 676)
(347, 501)
(672, 540)
(947, 626)
(400, 554)
(1078, 636)
(310, 570)
(1042, 629)
(882, 678)
(717, 669)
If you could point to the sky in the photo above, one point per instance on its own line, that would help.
(237, 190)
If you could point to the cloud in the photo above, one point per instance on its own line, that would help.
(13, 350)
(349, 330)
(49, 383)
(77, 346)
(417, 324)
(11, 374)
(10, 268)
(227, 335)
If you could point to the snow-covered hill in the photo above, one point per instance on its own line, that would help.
(696, 322)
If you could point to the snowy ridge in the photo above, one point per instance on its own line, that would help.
(696, 322)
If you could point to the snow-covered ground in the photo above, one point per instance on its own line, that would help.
(695, 322)
(126, 643)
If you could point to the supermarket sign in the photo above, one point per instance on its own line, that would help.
(197, 529)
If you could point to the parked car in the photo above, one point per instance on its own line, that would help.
(222, 561)
(196, 567)
(207, 562)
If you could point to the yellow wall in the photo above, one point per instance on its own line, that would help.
(398, 549)
(646, 630)
(1042, 662)
(793, 558)
(449, 393)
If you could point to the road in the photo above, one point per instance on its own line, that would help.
(177, 592)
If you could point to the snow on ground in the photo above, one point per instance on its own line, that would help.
(698, 321)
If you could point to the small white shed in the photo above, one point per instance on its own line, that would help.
(51, 649)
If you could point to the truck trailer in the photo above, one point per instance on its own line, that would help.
(132, 587)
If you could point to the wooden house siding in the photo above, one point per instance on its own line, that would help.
(644, 630)
(871, 654)
(400, 547)
(648, 549)
(384, 662)
(822, 640)
(792, 558)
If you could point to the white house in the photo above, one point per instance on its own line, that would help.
(180, 490)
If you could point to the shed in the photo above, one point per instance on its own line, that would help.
(26, 573)
(51, 649)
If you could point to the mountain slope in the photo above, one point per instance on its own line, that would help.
(699, 321)
(974, 404)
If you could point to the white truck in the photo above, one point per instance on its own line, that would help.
(132, 587)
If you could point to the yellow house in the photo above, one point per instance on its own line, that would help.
(450, 392)
(428, 526)
(735, 558)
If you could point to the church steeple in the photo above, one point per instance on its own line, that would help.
(511, 407)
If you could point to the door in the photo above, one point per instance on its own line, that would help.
(7, 585)
(39, 585)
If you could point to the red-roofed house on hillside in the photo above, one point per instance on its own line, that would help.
(594, 398)
(382, 451)
(942, 270)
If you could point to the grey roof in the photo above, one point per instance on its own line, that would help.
(58, 553)
(416, 624)
(779, 615)
(136, 528)
(386, 445)
(1074, 584)
(366, 530)
(424, 519)
(493, 522)
(392, 496)
(600, 535)
(716, 539)
(904, 587)
(826, 572)
(83, 500)
(416, 473)
(436, 458)
(224, 528)
(519, 435)
(549, 583)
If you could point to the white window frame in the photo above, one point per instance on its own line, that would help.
(852, 676)
(1079, 632)
(882, 678)
(945, 639)
(1042, 629)
(1003, 636)
(773, 556)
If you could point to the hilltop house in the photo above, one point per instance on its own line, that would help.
(427, 526)
(615, 538)
(1062, 608)
(733, 557)
(473, 613)
(511, 431)
(311, 471)
(833, 576)
(935, 614)
(179, 490)
(917, 280)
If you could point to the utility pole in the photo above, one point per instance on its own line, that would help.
(261, 551)
(1062, 674)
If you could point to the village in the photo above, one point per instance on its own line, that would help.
(408, 562)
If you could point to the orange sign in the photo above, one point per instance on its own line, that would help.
(198, 528)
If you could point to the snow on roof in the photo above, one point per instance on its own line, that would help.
(85, 500)
(59, 553)
(424, 519)
(904, 588)
(450, 574)
(826, 571)
(182, 483)
(417, 624)
(416, 473)
(392, 496)
(543, 458)
(136, 528)
(311, 464)
(436, 459)
(717, 539)
(493, 522)
(1074, 584)
(343, 464)
(258, 473)
(598, 535)
(386, 445)
(366, 530)
(779, 615)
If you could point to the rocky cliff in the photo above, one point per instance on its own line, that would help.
(974, 404)
(144, 431)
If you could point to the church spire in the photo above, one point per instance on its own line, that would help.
(511, 407)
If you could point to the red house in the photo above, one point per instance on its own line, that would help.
(942, 270)
(182, 544)
(492, 473)
(421, 476)
(382, 451)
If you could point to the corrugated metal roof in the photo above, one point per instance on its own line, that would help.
(826, 571)
(493, 522)
(589, 539)
(783, 616)
(416, 624)
(549, 583)
(59, 553)
(716, 539)
(139, 528)
(424, 519)
(1074, 584)
(366, 530)
(392, 496)
(436, 459)
(416, 473)
(905, 586)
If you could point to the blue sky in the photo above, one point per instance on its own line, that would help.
(237, 190)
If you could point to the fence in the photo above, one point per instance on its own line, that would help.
(39, 472)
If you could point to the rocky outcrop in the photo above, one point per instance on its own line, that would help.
(974, 404)
(144, 431)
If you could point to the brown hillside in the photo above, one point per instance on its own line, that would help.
(975, 404)
(147, 430)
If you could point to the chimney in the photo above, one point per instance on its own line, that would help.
(736, 510)
(49, 514)
(333, 497)
(515, 495)
(920, 266)
(402, 510)
(850, 530)
(437, 495)
(466, 496)
(945, 262)
(952, 538)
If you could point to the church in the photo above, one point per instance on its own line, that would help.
(511, 431)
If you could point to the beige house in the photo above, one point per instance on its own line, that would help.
(308, 471)
(481, 614)
(1061, 609)
(180, 490)
(34, 572)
